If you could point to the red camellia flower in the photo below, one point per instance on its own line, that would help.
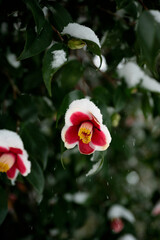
(13, 156)
(83, 126)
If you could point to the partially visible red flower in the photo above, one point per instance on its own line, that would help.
(83, 127)
(117, 225)
(156, 209)
(13, 156)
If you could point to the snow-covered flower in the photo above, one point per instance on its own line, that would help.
(13, 156)
(83, 126)
(118, 211)
(127, 237)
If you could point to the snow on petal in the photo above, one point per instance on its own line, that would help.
(133, 76)
(86, 107)
(81, 32)
(118, 211)
(59, 58)
(155, 14)
(127, 237)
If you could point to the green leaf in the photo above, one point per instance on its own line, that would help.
(49, 60)
(60, 16)
(35, 142)
(36, 177)
(70, 97)
(95, 49)
(35, 44)
(3, 204)
(25, 108)
(37, 14)
(148, 37)
(70, 74)
(98, 165)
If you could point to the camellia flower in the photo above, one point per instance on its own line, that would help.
(117, 225)
(83, 126)
(13, 156)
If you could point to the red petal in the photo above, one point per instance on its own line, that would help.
(16, 150)
(20, 165)
(98, 137)
(85, 148)
(11, 172)
(79, 117)
(4, 150)
(71, 135)
(95, 121)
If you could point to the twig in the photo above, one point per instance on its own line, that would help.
(144, 6)
(55, 30)
(14, 87)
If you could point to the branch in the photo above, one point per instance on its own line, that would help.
(55, 30)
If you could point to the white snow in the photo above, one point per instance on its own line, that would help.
(12, 60)
(79, 197)
(127, 237)
(134, 75)
(96, 61)
(59, 58)
(81, 32)
(118, 211)
(156, 15)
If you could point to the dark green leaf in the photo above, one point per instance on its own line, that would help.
(60, 16)
(35, 142)
(37, 14)
(76, 94)
(70, 74)
(35, 44)
(36, 177)
(148, 36)
(47, 69)
(3, 204)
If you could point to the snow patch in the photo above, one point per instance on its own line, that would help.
(133, 76)
(59, 58)
(96, 61)
(127, 237)
(79, 197)
(13, 60)
(81, 32)
(156, 15)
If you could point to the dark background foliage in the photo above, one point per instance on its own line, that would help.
(33, 101)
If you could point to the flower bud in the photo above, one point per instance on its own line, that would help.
(74, 43)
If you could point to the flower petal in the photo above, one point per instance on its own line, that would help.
(78, 117)
(4, 150)
(85, 148)
(20, 165)
(11, 173)
(70, 136)
(16, 150)
(101, 138)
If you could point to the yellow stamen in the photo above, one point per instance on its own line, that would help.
(6, 162)
(85, 132)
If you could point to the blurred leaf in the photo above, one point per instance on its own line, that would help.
(100, 93)
(146, 105)
(32, 80)
(148, 36)
(37, 14)
(35, 44)
(35, 142)
(44, 106)
(70, 97)
(36, 177)
(3, 204)
(49, 59)
(25, 107)
(97, 166)
(119, 99)
(70, 74)
(60, 16)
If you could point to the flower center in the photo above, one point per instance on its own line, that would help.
(85, 132)
(6, 162)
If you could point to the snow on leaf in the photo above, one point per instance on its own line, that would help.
(96, 167)
(59, 58)
(81, 32)
(133, 75)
